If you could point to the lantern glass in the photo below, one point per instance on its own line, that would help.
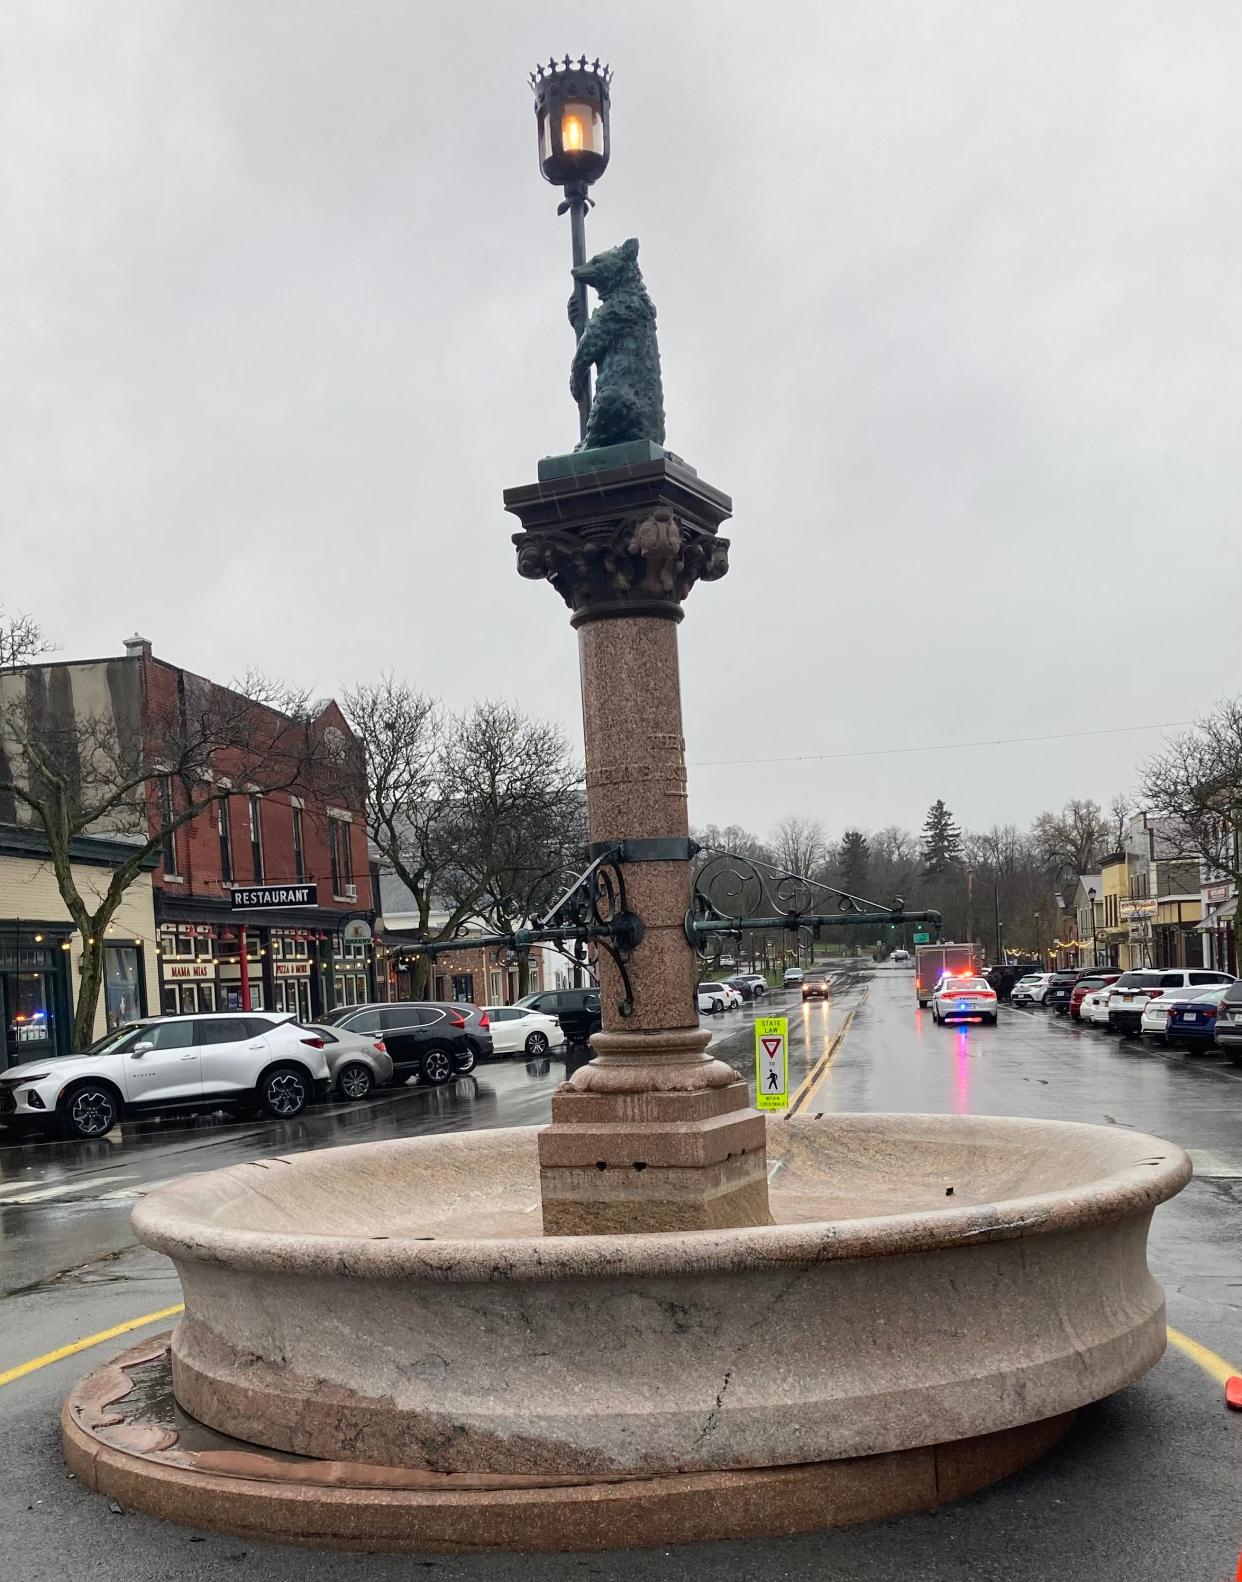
(579, 153)
(582, 128)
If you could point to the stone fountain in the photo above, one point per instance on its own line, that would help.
(653, 1320)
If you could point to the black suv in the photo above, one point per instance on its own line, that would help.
(478, 1028)
(577, 1010)
(427, 1041)
(1061, 987)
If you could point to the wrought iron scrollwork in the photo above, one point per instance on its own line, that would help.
(747, 893)
(596, 908)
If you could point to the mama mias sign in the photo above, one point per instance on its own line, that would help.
(268, 897)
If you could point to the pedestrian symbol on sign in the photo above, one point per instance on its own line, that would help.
(771, 1063)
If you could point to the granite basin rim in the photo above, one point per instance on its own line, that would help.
(1145, 1171)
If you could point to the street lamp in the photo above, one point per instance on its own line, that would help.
(572, 106)
(1095, 953)
(1039, 949)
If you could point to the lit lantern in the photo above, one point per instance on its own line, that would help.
(571, 116)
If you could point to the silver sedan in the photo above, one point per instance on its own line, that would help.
(356, 1063)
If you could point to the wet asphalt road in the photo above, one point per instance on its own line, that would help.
(1147, 1486)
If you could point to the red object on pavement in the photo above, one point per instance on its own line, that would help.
(1233, 1396)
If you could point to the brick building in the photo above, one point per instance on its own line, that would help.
(306, 841)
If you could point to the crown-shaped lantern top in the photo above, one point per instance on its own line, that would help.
(571, 110)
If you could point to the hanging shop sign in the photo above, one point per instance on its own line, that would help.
(356, 931)
(271, 897)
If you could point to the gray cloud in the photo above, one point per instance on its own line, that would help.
(947, 299)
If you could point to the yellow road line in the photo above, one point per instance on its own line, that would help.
(62, 1352)
(816, 1075)
(1220, 1370)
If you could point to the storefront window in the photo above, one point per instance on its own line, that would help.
(123, 996)
(29, 1011)
(463, 986)
(34, 1018)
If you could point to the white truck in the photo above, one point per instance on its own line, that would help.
(931, 962)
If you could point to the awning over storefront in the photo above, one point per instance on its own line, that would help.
(1219, 916)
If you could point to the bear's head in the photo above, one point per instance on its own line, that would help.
(609, 271)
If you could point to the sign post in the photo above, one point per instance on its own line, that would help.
(771, 1063)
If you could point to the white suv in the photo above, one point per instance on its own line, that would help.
(237, 1060)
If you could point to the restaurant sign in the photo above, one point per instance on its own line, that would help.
(272, 897)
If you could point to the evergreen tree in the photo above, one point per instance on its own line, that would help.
(942, 839)
(855, 861)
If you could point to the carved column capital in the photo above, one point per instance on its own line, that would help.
(633, 541)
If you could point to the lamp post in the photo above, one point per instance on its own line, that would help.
(1095, 952)
(572, 108)
(652, 1133)
(1039, 949)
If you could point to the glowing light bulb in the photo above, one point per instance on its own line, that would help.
(571, 133)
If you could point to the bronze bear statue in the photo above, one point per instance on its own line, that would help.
(620, 340)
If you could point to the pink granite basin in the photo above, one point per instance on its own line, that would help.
(929, 1278)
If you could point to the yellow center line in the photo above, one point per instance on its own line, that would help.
(1220, 1370)
(62, 1352)
(816, 1075)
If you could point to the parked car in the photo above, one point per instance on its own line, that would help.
(478, 1028)
(1132, 991)
(718, 996)
(960, 996)
(1032, 989)
(163, 1064)
(1229, 1023)
(747, 986)
(1084, 986)
(818, 987)
(1061, 987)
(793, 977)
(356, 1063)
(1192, 1019)
(521, 1030)
(1094, 1007)
(577, 1010)
(425, 1041)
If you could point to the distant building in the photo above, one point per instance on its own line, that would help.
(486, 975)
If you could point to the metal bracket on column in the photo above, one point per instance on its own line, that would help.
(660, 848)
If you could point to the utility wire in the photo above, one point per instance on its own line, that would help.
(938, 747)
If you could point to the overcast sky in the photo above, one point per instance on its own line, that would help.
(949, 303)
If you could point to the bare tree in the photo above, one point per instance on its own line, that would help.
(21, 641)
(1195, 786)
(474, 815)
(141, 772)
(520, 817)
(1071, 842)
(732, 837)
(799, 845)
(1120, 810)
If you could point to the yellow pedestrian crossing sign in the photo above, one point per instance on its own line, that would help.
(771, 1063)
